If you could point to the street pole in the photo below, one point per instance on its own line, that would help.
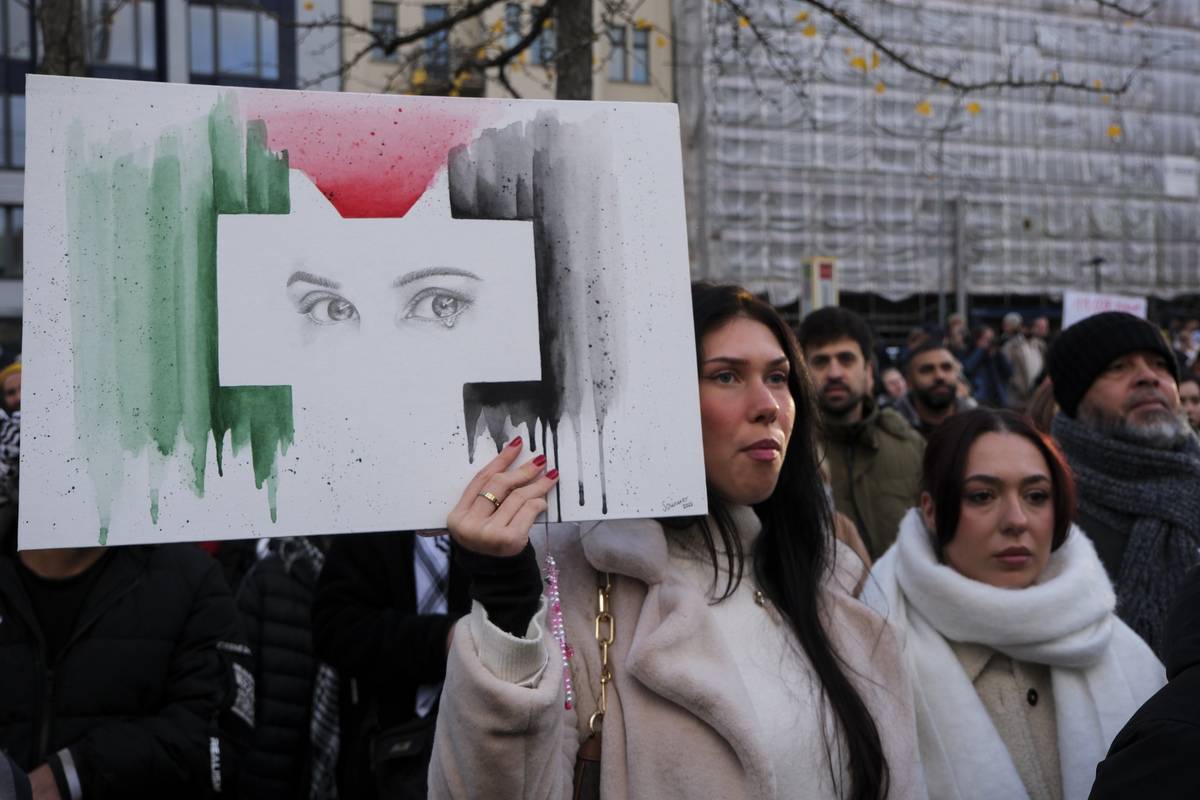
(960, 256)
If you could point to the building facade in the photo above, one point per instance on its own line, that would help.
(833, 150)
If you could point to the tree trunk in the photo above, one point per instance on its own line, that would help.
(62, 25)
(573, 62)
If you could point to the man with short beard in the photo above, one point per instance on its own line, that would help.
(873, 455)
(932, 374)
(1136, 464)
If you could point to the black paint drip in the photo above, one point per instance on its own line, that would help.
(522, 172)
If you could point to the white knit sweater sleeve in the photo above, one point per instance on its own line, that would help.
(517, 660)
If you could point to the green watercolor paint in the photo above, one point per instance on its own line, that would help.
(143, 283)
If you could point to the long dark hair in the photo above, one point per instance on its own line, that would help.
(945, 467)
(792, 555)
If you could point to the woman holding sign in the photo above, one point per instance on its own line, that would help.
(721, 658)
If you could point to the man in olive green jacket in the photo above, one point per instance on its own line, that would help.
(873, 455)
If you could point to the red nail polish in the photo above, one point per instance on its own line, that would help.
(515, 442)
(537, 462)
(552, 474)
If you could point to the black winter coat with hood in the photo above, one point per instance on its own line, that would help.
(1157, 754)
(143, 700)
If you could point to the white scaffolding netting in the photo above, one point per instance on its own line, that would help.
(828, 152)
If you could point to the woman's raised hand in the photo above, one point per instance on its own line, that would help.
(499, 505)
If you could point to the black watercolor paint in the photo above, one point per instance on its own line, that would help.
(531, 171)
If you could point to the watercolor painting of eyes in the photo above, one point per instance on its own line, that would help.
(327, 308)
(435, 304)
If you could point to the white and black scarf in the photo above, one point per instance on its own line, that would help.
(1153, 495)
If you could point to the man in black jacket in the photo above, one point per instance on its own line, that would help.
(120, 672)
(366, 625)
(1158, 753)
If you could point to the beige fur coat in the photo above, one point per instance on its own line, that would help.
(680, 723)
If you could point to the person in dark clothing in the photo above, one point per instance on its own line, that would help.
(366, 625)
(988, 369)
(1136, 462)
(275, 602)
(1155, 754)
(122, 673)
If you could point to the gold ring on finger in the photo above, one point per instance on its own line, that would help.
(491, 498)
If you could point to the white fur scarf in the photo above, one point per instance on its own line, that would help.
(1101, 671)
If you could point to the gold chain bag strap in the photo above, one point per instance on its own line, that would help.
(587, 762)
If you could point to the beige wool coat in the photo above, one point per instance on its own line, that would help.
(680, 722)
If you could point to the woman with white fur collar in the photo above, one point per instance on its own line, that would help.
(1021, 671)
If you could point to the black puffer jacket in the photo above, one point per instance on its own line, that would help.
(365, 625)
(275, 601)
(1157, 754)
(133, 704)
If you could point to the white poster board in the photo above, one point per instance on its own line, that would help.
(261, 313)
(1081, 305)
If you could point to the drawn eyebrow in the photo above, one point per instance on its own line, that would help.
(432, 272)
(308, 277)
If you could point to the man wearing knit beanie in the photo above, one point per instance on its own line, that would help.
(1136, 463)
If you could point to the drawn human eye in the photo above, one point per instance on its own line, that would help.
(443, 306)
(327, 308)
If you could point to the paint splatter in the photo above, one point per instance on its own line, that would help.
(142, 229)
(556, 175)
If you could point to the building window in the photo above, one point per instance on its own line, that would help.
(512, 25)
(384, 18)
(626, 63)
(619, 55)
(121, 33)
(639, 71)
(18, 30)
(437, 46)
(12, 130)
(12, 250)
(234, 41)
(545, 44)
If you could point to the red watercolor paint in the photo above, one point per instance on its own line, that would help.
(371, 155)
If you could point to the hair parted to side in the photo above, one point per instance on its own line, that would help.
(945, 466)
(792, 554)
(831, 323)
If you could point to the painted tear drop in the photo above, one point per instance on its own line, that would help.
(142, 227)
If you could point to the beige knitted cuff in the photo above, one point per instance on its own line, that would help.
(519, 661)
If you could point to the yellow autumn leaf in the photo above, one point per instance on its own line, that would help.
(743, 22)
(1097, 83)
(481, 54)
(973, 108)
(498, 26)
(858, 62)
(848, 51)
(643, 24)
(548, 23)
(661, 41)
(522, 57)
(453, 92)
(874, 60)
(1114, 131)
(419, 76)
(880, 88)
(309, 5)
(810, 30)
(1106, 99)
(924, 108)
(803, 15)
(1054, 76)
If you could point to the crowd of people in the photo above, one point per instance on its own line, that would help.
(955, 572)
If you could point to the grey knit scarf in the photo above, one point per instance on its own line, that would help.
(1153, 494)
